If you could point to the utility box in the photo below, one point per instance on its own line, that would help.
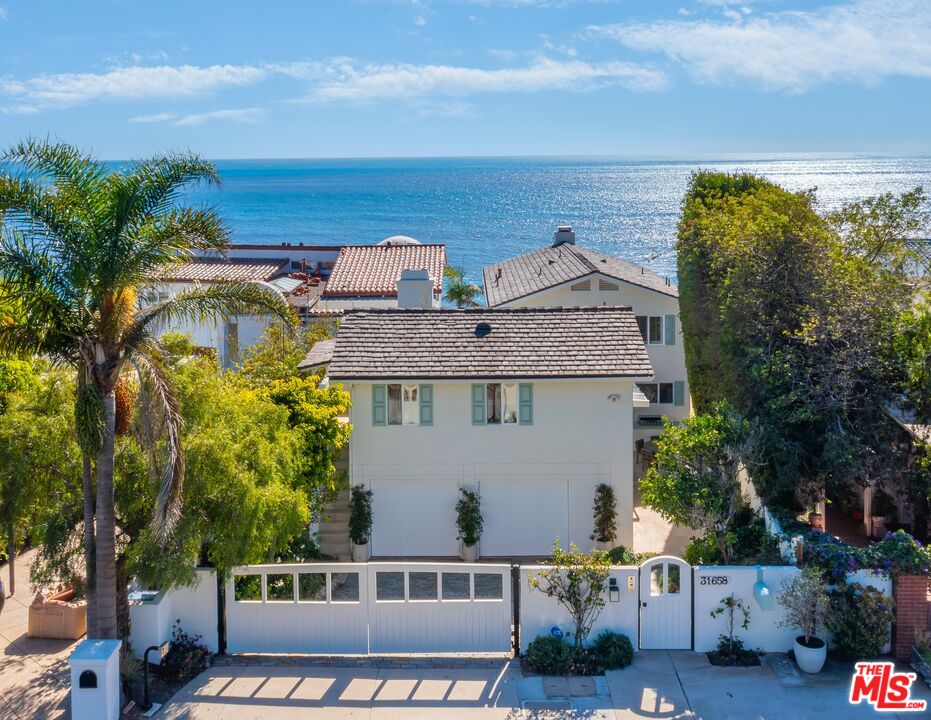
(95, 680)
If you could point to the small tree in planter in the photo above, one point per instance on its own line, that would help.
(807, 606)
(577, 581)
(469, 523)
(604, 512)
(360, 522)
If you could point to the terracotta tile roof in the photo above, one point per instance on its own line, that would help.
(373, 270)
(593, 342)
(227, 270)
(551, 266)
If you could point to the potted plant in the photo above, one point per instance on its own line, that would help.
(807, 607)
(360, 522)
(604, 513)
(469, 523)
(882, 508)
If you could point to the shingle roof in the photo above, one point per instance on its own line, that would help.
(373, 270)
(227, 270)
(550, 266)
(595, 342)
(320, 354)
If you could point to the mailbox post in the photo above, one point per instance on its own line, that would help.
(95, 680)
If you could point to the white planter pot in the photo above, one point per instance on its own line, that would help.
(879, 527)
(810, 659)
(360, 553)
(469, 553)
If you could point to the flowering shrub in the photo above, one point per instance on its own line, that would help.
(859, 620)
(833, 557)
(186, 655)
(899, 554)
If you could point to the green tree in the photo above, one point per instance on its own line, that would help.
(81, 244)
(459, 291)
(282, 347)
(695, 478)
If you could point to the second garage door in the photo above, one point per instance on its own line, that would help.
(414, 517)
(523, 516)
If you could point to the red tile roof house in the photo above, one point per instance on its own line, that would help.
(317, 280)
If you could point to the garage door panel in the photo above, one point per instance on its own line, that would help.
(523, 516)
(414, 517)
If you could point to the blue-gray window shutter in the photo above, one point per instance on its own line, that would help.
(426, 404)
(379, 405)
(525, 403)
(678, 392)
(478, 404)
(670, 330)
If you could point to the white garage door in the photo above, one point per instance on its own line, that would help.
(414, 517)
(523, 516)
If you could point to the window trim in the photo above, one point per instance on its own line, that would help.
(523, 398)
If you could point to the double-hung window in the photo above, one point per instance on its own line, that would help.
(402, 404)
(502, 404)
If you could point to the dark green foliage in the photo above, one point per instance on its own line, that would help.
(620, 555)
(469, 520)
(835, 558)
(548, 655)
(88, 418)
(731, 652)
(859, 621)
(604, 512)
(186, 656)
(301, 548)
(703, 551)
(898, 554)
(612, 650)
(360, 514)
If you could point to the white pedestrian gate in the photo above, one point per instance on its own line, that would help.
(355, 608)
(665, 604)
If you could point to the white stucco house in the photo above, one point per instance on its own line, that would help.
(532, 407)
(567, 275)
(318, 281)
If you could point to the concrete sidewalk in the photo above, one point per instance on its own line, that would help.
(34, 674)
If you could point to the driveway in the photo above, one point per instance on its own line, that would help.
(34, 674)
(659, 684)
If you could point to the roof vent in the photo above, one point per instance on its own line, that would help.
(563, 234)
(483, 329)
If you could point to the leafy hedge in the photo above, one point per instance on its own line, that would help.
(550, 655)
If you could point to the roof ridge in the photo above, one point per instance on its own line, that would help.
(546, 309)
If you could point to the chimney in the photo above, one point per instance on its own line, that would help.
(415, 289)
(563, 234)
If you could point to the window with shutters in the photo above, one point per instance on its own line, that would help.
(651, 328)
(656, 329)
(402, 404)
(502, 404)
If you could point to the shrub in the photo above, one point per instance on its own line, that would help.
(899, 554)
(729, 647)
(605, 514)
(703, 551)
(833, 557)
(186, 656)
(469, 520)
(360, 514)
(612, 650)
(549, 655)
(731, 652)
(859, 620)
(620, 555)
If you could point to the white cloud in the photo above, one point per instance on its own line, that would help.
(3, 12)
(129, 83)
(861, 42)
(240, 115)
(348, 81)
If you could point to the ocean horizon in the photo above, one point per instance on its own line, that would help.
(488, 208)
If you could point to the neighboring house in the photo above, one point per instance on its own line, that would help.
(316, 280)
(532, 407)
(566, 275)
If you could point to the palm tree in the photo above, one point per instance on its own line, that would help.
(459, 291)
(81, 247)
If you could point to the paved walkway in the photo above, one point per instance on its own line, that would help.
(659, 684)
(34, 675)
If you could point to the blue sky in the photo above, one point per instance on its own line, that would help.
(345, 78)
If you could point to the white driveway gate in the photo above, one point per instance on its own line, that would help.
(354, 608)
(665, 604)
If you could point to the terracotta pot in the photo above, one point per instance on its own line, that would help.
(810, 658)
(360, 553)
(817, 521)
(469, 553)
(879, 527)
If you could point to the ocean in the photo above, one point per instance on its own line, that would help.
(487, 209)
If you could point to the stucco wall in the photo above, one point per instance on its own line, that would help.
(578, 433)
(195, 606)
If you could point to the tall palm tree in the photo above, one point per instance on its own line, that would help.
(81, 247)
(459, 291)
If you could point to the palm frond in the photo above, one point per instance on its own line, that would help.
(218, 300)
(160, 400)
(63, 165)
(25, 205)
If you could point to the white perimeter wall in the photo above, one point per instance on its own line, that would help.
(196, 606)
(764, 631)
(539, 613)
